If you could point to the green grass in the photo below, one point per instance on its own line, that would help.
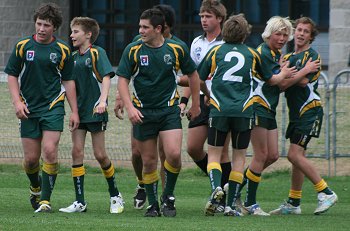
(191, 192)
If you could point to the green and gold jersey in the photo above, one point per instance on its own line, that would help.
(232, 67)
(303, 102)
(153, 72)
(89, 70)
(40, 69)
(266, 97)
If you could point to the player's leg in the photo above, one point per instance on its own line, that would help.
(150, 176)
(172, 167)
(78, 171)
(225, 164)
(31, 165)
(50, 142)
(216, 141)
(31, 143)
(162, 159)
(136, 160)
(98, 144)
(197, 133)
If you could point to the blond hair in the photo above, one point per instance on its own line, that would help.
(277, 24)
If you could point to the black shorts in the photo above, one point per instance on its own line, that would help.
(203, 117)
(269, 124)
(93, 127)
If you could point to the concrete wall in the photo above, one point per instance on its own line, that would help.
(339, 36)
(16, 21)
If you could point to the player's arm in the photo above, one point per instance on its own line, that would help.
(300, 77)
(20, 108)
(106, 84)
(119, 106)
(285, 72)
(69, 85)
(135, 115)
(194, 83)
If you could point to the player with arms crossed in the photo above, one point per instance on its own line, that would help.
(305, 120)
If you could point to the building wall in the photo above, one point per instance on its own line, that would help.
(16, 21)
(339, 36)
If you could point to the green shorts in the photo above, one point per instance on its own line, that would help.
(33, 127)
(156, 120)
(93, 127)
(235, 124)
(269, 124)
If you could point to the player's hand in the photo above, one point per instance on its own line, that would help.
(288, 72)
(119, 108)
(193, 113)
(21, 110)
(182, 107)
(312, 66)
(135, 116)
(207, 100)
(74, 121)
(101, 108)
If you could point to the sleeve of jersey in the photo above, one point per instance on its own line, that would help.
(67, 71)
(187, 64)
(14, 65)
(204, 67)
(104, 66)
(125, 65)
(266, 67)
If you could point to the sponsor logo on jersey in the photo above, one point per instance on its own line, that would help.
(30, 55)
(167, 59)
(144, 60)
(53, 57)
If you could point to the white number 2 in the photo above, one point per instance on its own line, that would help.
(229, 74)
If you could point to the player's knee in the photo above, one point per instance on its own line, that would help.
(272, 158)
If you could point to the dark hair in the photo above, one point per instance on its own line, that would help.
(236, 29)
(49, 12)
(307, 20)
(169, 14)
(214, 7)
(87, 25)
(155, 16)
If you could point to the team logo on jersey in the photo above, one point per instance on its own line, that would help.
(298, 64)
(53, 57)
(167, 59)
(144, 60)
(30, 55)
(198, 51)
(88, 62)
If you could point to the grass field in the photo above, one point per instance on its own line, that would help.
(191, 193)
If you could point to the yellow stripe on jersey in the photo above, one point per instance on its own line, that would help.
(20, 47)
(259, 49)
(177, 96)
(213, 58)
(136, 101)
(312, 104)
(58, 99)
(287, 56)
(214, 103)
(176, 53)
(134, 49)
(248, 104)
(95, 56)
(305, 58)
(258, 99)
(65, 52)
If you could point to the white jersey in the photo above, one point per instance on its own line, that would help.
(199, 48)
